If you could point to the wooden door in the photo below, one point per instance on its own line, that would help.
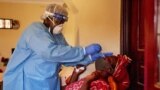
(138, 41)
(132, 39)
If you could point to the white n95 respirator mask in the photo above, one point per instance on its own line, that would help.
(58, 29)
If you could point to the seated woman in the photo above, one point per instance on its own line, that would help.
(110, 74)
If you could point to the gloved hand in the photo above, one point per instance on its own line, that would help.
(96, 56)
(92, 49)
(108, 54)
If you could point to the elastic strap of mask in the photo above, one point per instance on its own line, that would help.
(48, 13)
(49, 29)
(51, 20)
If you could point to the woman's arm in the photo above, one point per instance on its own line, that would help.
(75, 75)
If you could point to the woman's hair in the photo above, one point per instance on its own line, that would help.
(106, 64)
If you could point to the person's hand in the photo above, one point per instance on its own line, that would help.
(79, 69)
(92, 49)
(96, 56)
(106, 54)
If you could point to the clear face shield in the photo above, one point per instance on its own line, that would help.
(58, 21)
(59, 18)
(57, 15)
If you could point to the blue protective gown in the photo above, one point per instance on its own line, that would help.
(36, 61)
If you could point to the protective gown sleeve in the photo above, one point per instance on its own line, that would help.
(47, 48)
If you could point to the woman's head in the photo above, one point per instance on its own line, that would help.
(107, 64)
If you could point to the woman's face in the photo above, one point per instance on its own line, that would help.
(104, 74)
(94, 75)
(100, 74)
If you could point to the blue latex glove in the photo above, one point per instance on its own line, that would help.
(92, 49)
(108, 54)
(96, 56)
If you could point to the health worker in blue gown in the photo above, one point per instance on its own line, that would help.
(42, 50)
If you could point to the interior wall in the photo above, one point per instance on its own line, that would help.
(97, 21)
(25, 13)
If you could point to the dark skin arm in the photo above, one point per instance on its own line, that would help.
(88, 79)
(75, 75)
(85, 85)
